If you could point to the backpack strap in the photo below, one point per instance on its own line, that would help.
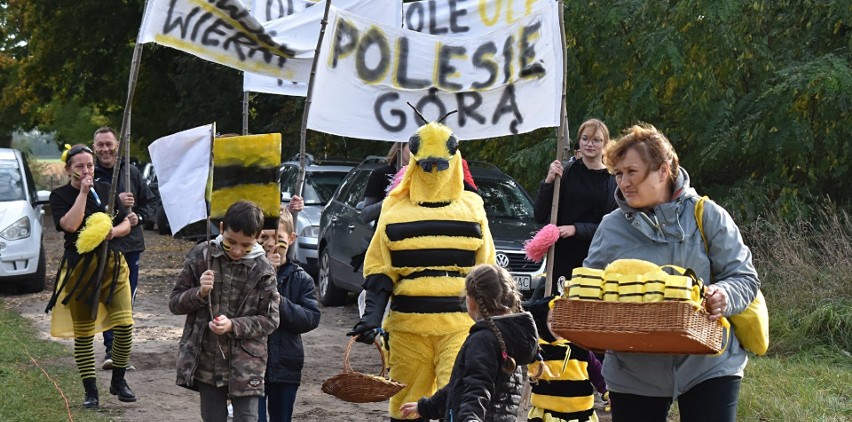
(699, 220)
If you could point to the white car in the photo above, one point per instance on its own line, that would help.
(21, 251)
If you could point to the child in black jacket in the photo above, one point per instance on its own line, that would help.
(299, 314)
(487, 377)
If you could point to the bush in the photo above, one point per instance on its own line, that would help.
(805, 271)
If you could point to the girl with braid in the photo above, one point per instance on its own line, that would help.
(78, 212)
(487, 377)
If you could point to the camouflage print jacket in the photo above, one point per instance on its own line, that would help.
(245, 292)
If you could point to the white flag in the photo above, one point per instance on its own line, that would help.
(300, 29)
(182, 162)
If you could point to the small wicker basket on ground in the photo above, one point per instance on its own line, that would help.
(649, 327)
(356, 387)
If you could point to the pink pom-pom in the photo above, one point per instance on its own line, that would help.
(536, 248)
(396, 178)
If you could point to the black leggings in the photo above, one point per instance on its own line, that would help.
(714, 400)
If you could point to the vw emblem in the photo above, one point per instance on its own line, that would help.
(503, 260)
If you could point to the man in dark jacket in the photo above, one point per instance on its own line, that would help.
(139, 198)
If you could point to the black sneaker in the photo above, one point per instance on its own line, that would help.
(107, 365)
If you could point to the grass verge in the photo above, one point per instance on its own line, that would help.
(804, 387)
(26, 394)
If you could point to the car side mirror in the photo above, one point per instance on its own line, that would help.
(42, 197)
(359, 206)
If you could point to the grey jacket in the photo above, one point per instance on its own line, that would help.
(668, 234)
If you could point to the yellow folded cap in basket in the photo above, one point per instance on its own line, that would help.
(585, 284)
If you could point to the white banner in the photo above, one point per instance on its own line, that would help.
(222, 31)
(467, 17)
(503, 82)
(302, 27)
(182, 162)
(269, 10)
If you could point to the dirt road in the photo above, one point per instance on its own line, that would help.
(157, 331)
(155, 341)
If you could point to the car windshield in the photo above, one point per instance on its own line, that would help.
(11, 181)
(320, 186)
(504, 199)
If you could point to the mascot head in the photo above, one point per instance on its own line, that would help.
(435, 172)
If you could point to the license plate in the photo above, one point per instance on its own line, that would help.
(523, 281)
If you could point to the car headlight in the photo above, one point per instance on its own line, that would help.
(310, 231)
(18, 230)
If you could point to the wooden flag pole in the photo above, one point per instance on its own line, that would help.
(562, 145)
(245, 112)
(125, 141)
(303, 134)
(207, 193)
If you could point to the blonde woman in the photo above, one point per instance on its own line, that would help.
(585, 196)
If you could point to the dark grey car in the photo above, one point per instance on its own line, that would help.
(344, 236)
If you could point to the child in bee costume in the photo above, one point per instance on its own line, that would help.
(563, 377)
(430, 234)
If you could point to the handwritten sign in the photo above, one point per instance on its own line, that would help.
(301, 28)
(505, 81)
(223, 31)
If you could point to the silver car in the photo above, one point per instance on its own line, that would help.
(321, 180)
(22, 259)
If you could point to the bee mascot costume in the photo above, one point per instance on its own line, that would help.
(429, 236)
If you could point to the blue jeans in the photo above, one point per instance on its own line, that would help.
(281, 398)
(132, 259)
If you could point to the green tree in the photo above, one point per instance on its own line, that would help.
(12, 48)
(750, 93)
(754, 95)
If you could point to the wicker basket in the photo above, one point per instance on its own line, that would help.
(356, 387)
(649, 327)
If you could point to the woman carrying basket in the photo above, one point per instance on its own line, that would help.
(656, 222)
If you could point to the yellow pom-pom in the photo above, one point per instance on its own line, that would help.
(94, 232)
(65, 153)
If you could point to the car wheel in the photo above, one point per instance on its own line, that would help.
(163, 223)
(35, 283)
(327, 293)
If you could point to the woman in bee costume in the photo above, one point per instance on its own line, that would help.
(431, 233)
(79, 213)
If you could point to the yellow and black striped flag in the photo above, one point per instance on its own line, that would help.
(246, 168)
